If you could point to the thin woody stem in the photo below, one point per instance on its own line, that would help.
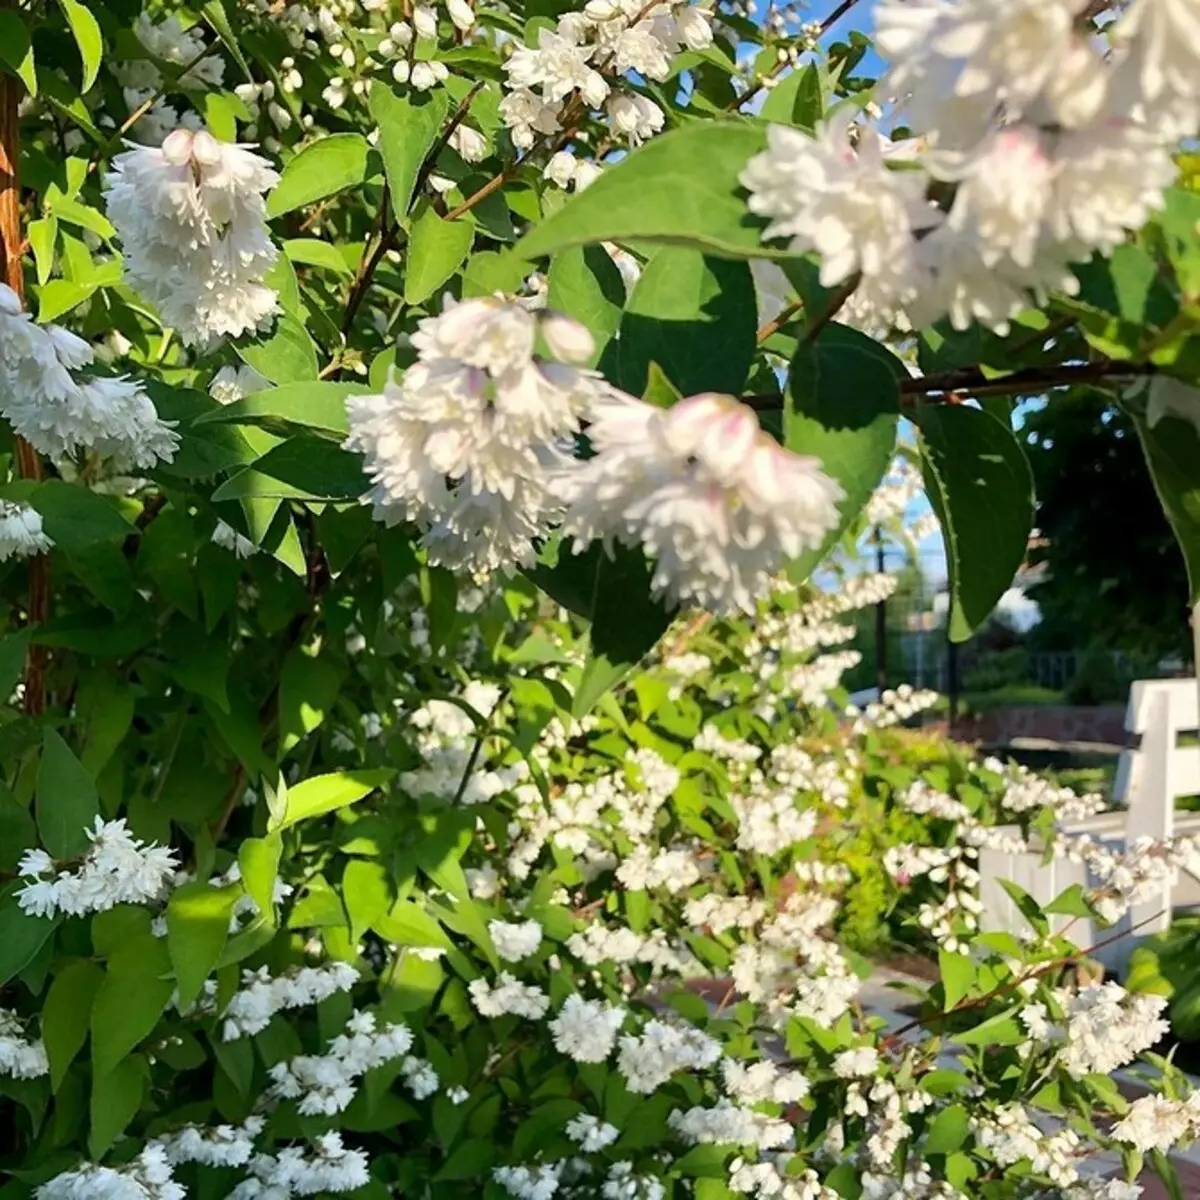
(29, 464)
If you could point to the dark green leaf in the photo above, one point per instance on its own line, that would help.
(311, 405)
(1172, 449)
(695, 317)
(67, 803)
(198, 918)
(947, 1131)
(585, 284)
(67, 1014)
(301, 468)
(21, 936)
(980, 485)
(116, 1098)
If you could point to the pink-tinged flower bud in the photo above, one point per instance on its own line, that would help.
(567, 339)
(177, 147)
(206, 150)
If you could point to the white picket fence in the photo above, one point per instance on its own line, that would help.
(1150, 778)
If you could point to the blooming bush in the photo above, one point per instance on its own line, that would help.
(427, 517)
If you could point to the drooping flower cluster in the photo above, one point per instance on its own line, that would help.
(262, 995)
(147, 1177)
(62, 416)
(325, 1084)
(117, 869)
(1039, 144)
(467, 443)
(21, 533)
(716, 501)
(192, 218)
(20, 1056)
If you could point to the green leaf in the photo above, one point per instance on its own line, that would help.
(326, 793)
(287, 356)
(16, 51)
(585, 284)
(1001, 1030)
(18, 832)
(12, 659)
(680, 188)
(311, 252)
(43, 238)
(67, 802)
(60, 296)
(980, 485)
(301, 468)
(947, 1131)
(309, 405)
(436, 248)
(67, 1014)
(137, 988)
(795, 100)
(409, 125)
(843, 408)
(366, 893)
(116, 1098)
(258, 859)
(490, 271)
(198, 916)
(472, 1160)
(307, 689)
(323, 168)
(1071, 903)
(76, 517)
(695, 317)
(21, 936)
(86, 31)
(957, 973)
(214, 14)
(1172, 450)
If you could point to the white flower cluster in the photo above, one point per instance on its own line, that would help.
(730, 1124)
(1158, 1123)
(1009, 1136)
(1025, 791)
(325, 1084)
(192, 218)
(586, 1030)
(508, 996)
(890, 500)
(893, 706)
(117, 869)
(515, 940)
(591, 1134)
(580, 62)
(445, 739)
(215, 1146)
(711, 496)
(262, 995)
(648, 1060)
(1105, 1027)
(1047, 145)
(147, 1177)
(142, 81)
(20, 1057)
(21, 533)
(467, 444)
(769, 822)
(61, 416)
(330, 1167)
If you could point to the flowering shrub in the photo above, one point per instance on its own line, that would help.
(427, 517)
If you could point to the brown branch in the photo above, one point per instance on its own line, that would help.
(773, 327)
(952, 386)
(836, 303)
(456, 119)
(12, 240)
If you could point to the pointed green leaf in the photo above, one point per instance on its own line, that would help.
(409, 125)
(323, 168)
(67, 803)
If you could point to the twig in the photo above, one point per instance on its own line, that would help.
(477, 749)
(456, 119)
(971, 381)
(1011, 985)
(831, 20)
(836, 302)
(773, 327)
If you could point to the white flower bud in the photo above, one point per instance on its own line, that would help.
(470, 144)
(560, 170)
(177, 147)
(567, 338)
(461, 14)
(424, 76)
(206, 150)
(387, 48)
(586, 174)
(401, 33)
(425, 21)
(600, 10)
(400, 71)
(595, 89)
